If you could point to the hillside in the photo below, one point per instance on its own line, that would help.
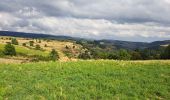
(30, 52)
(70, 48)
(113, 43)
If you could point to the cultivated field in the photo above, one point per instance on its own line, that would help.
(86, 80)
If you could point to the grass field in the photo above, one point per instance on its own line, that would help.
(24, 50)
(84, 80)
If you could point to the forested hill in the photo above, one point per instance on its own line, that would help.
(34, 35)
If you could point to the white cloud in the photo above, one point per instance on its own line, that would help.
(28, 12)
(7, 20)
(95, 28)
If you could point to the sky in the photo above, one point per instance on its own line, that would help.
(128, 20)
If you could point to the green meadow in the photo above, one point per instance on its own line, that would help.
(26, 51)
(86, 80)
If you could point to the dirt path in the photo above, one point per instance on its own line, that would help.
(8, 61)
(62, 56)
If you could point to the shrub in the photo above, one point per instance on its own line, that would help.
(37, 47)
(14, 41)
(136, 55)
(112, 56)
(124, 55)
(37, 58)
(31, 43)
(67, 47)
(166, 53)
(53, 55)
(39, 41)
(24, 44)
(1, 54)
(9, 49)
(85, 55)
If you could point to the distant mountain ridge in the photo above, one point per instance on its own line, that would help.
(126, 44)
(34, 35)
(117, 43)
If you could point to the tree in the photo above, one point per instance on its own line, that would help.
(37, 47)
(39, 41)
(9, 49)
(124, 55)
(31, 43)
(84, 55)
(148, 53)
(166, 53)
(24, 44)
(14, 41)
(53, 55)
(145, 54)
(136, 55)
(113, 56)
(67, 47)
(1, 54)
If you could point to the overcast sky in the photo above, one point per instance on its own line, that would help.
(131, 20)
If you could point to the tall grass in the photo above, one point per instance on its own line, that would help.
(84, 80)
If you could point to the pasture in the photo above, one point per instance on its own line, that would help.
(85, 80)
(29, 52)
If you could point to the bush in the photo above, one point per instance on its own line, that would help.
(39, 41)
(166, 53)
(1, 54)
(24, 44)
(136, 55)
(124, 55)
(9, 49)
(67, 47)
(85, 55)
(31, 43)
(37, 47)
(53, 55)
(113, 56)
(37, 58)
(14, 41)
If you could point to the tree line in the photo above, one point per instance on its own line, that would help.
(123, 54)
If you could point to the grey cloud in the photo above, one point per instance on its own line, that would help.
(137, 20)
(123, 10)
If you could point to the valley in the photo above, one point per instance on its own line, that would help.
(74, 69)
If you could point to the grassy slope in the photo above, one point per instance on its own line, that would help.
(52, 44)
(104, 80)
(24, 50)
